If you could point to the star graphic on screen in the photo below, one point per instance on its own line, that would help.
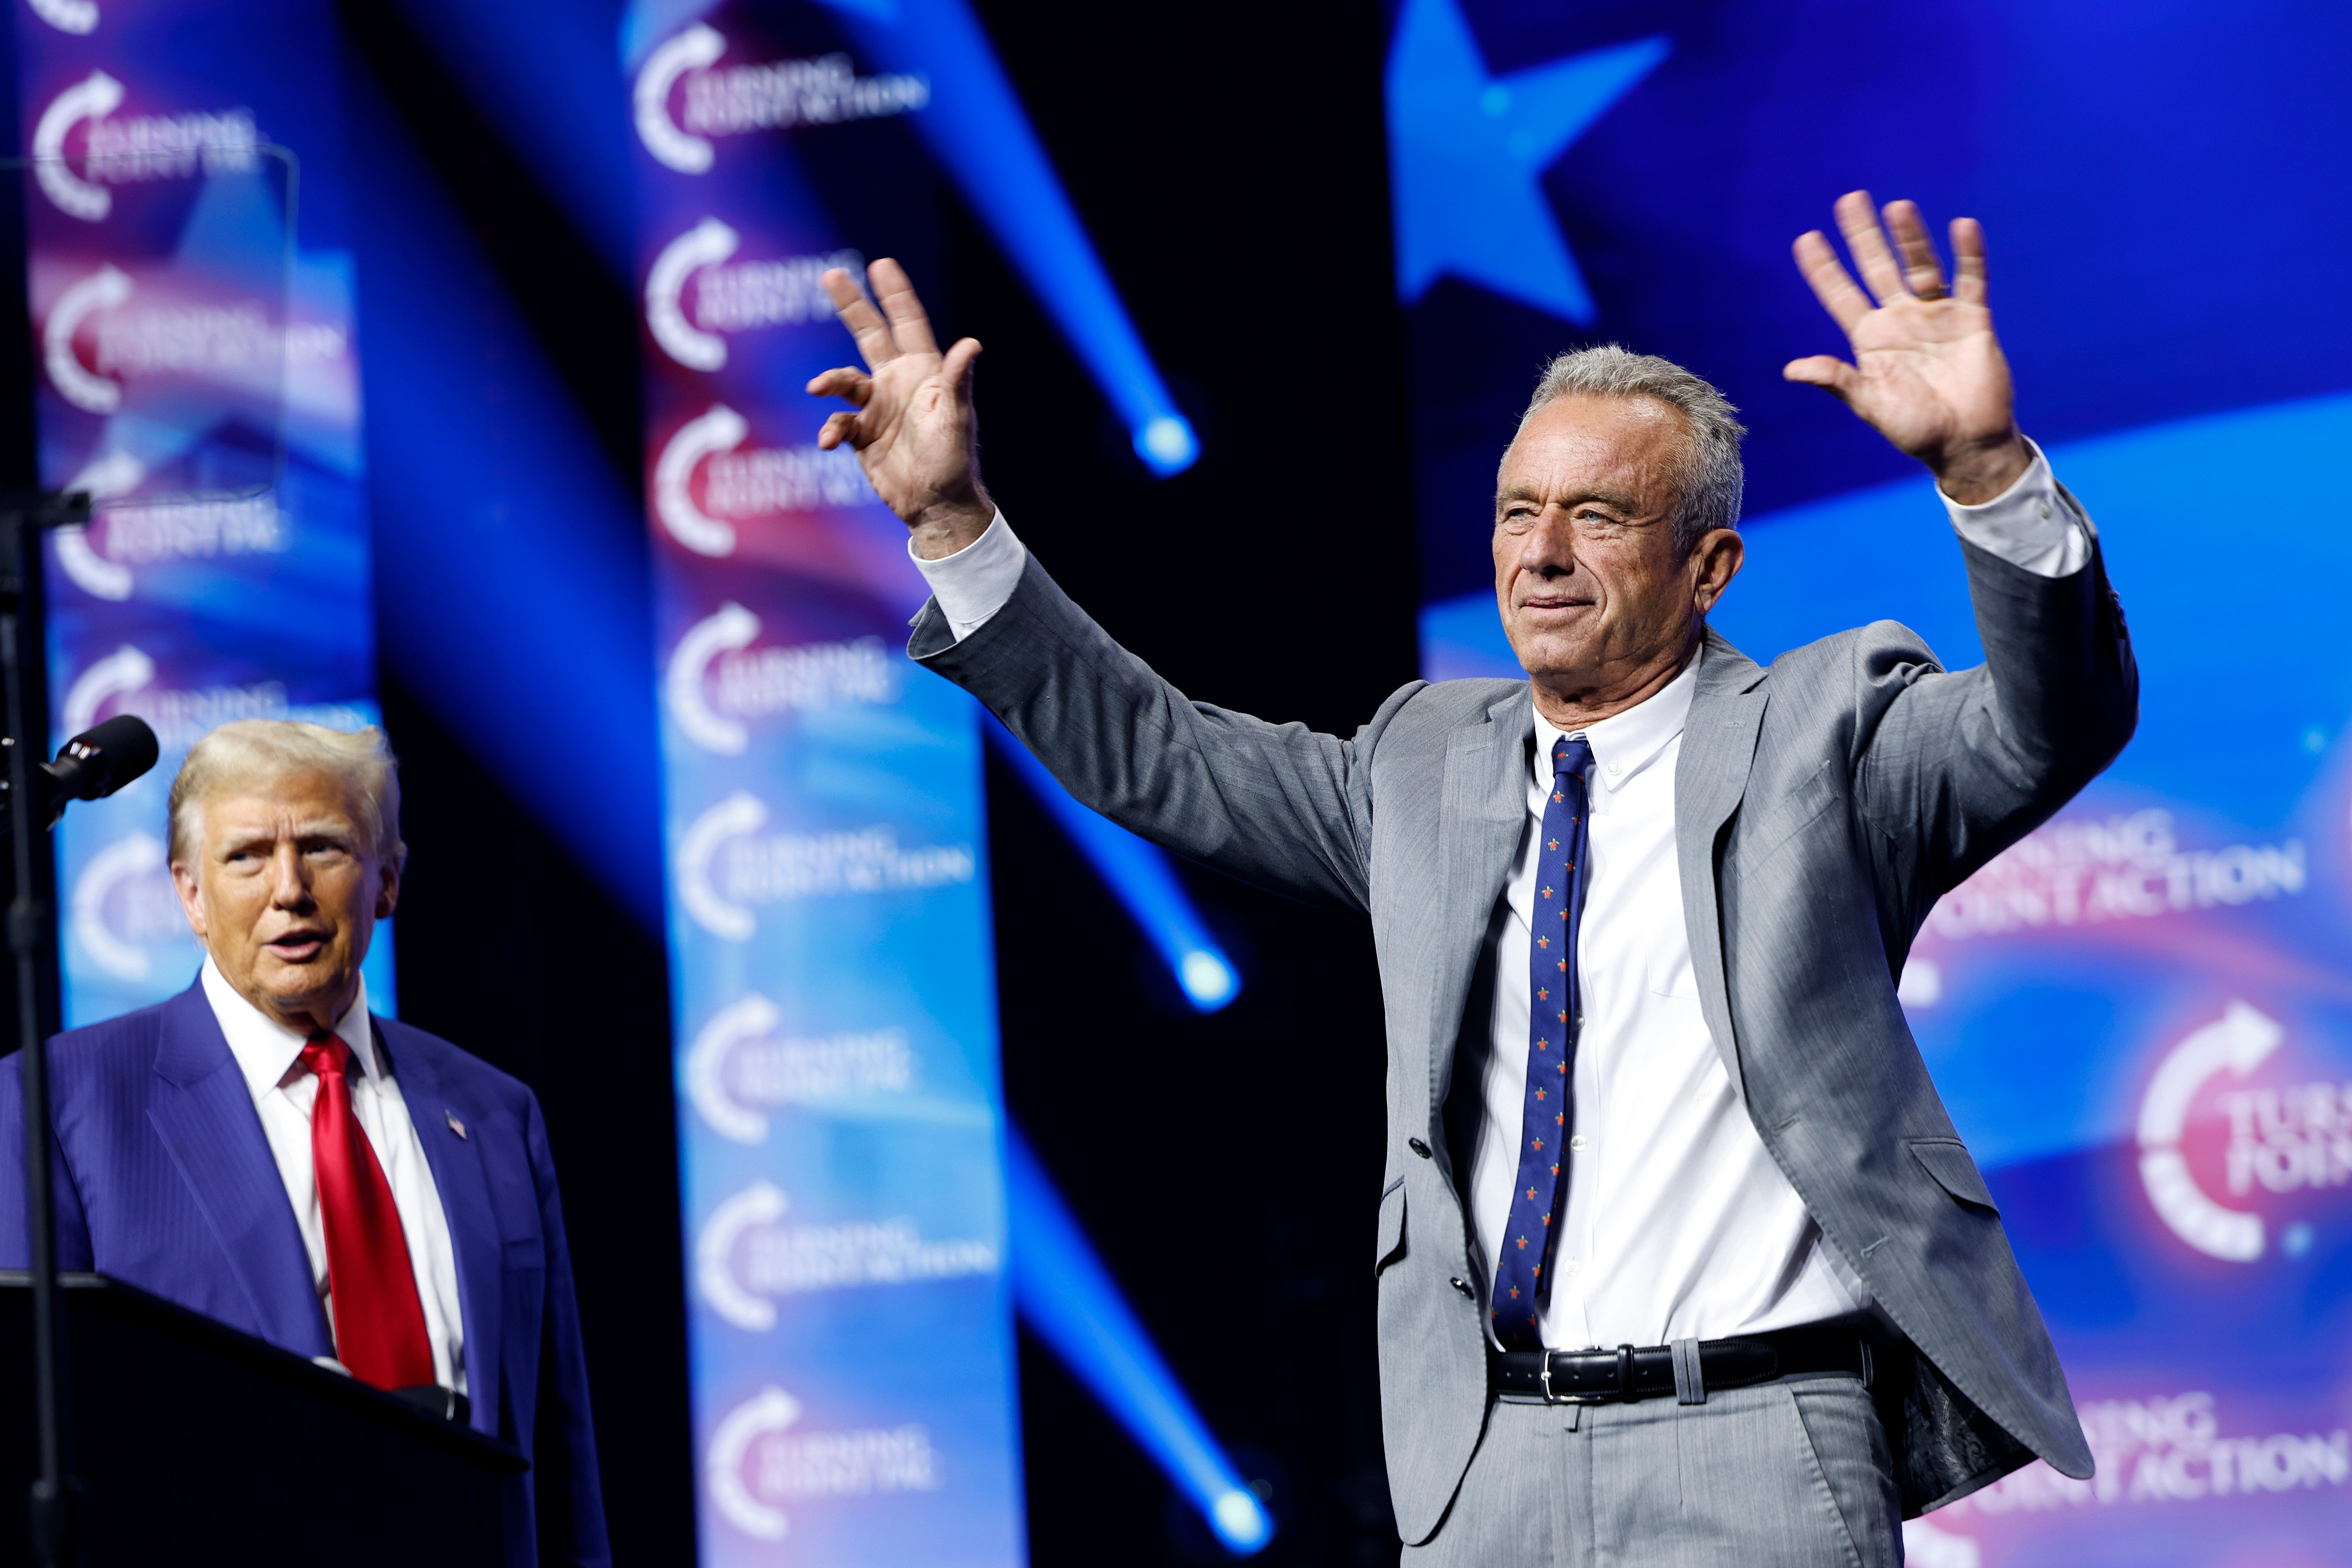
(1467, 153)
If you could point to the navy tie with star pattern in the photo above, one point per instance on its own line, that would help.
(1552, 989)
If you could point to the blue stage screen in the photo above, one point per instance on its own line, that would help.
(833, 970)
(192, 291)
(2139, 1016)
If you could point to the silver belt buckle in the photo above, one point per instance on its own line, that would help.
(1543, 1379)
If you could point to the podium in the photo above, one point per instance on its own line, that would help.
(195, 1443)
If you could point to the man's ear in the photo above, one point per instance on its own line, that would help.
(1716, 560)
(191, 897)
(387, 891)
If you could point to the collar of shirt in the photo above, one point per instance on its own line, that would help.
(268, 1053)
(1625, 743)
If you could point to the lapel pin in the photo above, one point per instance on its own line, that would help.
(454, 1125)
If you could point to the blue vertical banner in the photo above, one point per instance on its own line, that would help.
(198, 378)
(832, 971)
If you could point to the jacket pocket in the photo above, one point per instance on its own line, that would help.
(1392, 1226)
(1947, 1160)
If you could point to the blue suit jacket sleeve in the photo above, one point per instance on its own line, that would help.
(568, 1495)
(15, 1217)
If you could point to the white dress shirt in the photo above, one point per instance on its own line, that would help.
(270, 1055)
(1679, 1225)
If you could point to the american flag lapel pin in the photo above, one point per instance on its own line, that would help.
(455, 1125)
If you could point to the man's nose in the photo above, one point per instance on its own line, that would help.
(1550, 547)
(288, 886)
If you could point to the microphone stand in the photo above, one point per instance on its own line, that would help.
(32, 941)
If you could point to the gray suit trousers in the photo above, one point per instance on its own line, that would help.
(1786, 1475)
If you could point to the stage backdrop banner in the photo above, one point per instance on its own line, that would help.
(191, 288)
(2139, 1016)
(833, 973)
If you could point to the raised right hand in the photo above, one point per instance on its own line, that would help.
(913, 429)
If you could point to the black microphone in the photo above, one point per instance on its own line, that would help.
(95, 763)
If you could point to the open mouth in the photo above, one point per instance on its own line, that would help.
(298, 946)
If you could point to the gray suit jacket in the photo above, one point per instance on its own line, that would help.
(1822, 806)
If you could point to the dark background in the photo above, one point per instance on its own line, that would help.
(1232, 170)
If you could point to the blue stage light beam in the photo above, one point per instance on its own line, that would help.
(481, 487)
(513, 590)
(1067, 1296)
(1139, 872)
(543, 72)
(977, 129)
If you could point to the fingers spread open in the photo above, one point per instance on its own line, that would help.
(895, 290)
(1857, 219)
(864, 323)
(1921, 272)
(1825, 371)
(1846, 304)
(956, 369)
(852, 385)
(837, 427)
(1968, 260)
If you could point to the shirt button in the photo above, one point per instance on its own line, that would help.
(1577, 1142)
(1418, 1147)
(1573, 1266)
(2045, 508)
(1464, 1286)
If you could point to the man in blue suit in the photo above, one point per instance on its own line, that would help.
(263, 1149)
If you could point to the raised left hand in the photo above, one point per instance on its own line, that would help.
(1928, 373)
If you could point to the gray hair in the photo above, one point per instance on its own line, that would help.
(251, 753)
(1709, 480)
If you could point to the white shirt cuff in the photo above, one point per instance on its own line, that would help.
(2034, 524)
(974, 583)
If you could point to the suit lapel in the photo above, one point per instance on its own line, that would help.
(203, 1115)
(1482, 813)
(1718, 746)
(464, 1193)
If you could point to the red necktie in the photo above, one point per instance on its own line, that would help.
(379, 1321)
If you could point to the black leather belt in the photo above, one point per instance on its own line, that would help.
(431, 1397)
(1630, 1372)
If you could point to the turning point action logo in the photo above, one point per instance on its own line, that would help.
(717, 681)
(67, 15)
(772, 97)
(752, 483)
(738, 298)
(121, 152)
(726, 865)
(2281, 1140)
(755, 1463)
(742, 1066)
(744, 1256)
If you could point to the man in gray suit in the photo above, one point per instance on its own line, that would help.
(1680, 1260)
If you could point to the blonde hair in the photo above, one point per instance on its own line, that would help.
(250, 753)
